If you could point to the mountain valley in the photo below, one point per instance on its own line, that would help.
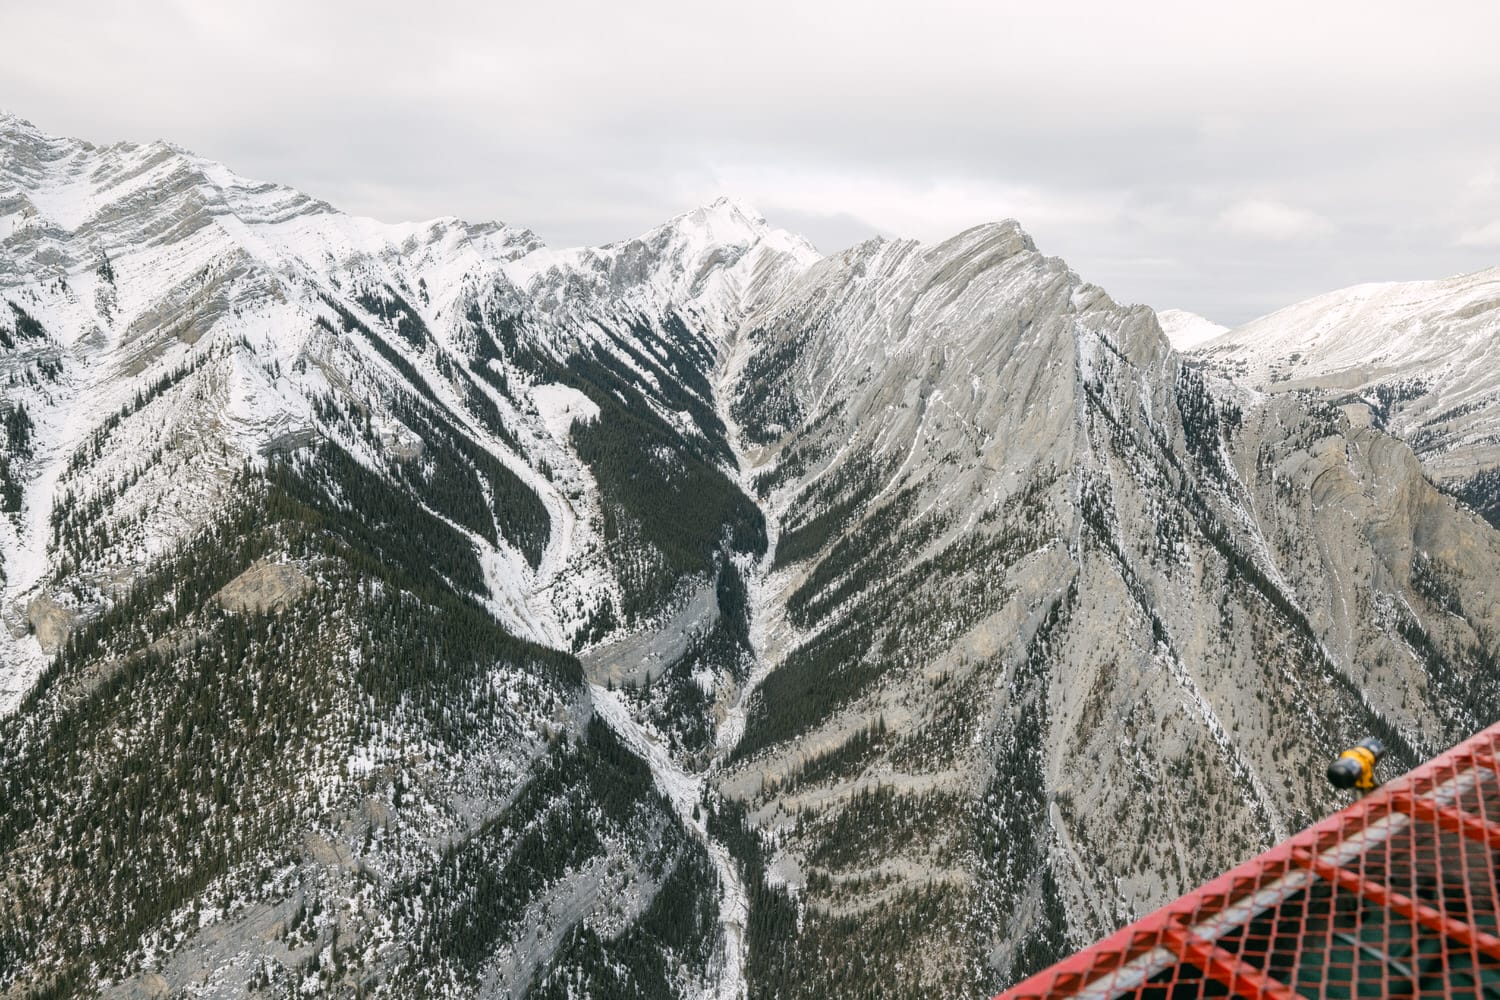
(417, 610)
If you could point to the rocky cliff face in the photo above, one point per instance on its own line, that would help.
(437, 613)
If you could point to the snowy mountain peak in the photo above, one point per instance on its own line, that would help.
(17, 132)
(735, 207)
(11, 123)
(999, 240)
(717, 260)
(1010, 228)
(1187, 330)
(729, 222)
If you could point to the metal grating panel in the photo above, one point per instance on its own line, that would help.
(1395, 896)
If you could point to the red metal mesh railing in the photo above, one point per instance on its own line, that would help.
(1395, 896)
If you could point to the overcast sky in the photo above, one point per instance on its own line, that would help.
(1227, 159)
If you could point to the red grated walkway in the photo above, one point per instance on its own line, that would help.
(1395, 896)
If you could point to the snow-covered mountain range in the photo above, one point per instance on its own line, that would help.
(1415, 358)
(418, 610)
(128, 256)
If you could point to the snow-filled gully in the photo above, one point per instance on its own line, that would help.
(683, 790)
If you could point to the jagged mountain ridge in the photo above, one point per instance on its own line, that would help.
(977, 604)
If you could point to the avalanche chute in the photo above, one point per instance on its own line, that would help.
(1394, 896)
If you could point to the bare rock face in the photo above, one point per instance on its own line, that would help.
(50, 622)
(149, 986)
(264, 587)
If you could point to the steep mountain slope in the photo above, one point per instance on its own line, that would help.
(1415, 358)
(417, 610)
(1055, 607)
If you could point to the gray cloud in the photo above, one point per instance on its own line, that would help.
(1273, 220)
(1222, 160)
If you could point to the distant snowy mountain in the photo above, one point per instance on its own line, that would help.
(1186, 331)
(416, 610)
(1420, 359)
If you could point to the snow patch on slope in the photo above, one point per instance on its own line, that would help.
(560, 405)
